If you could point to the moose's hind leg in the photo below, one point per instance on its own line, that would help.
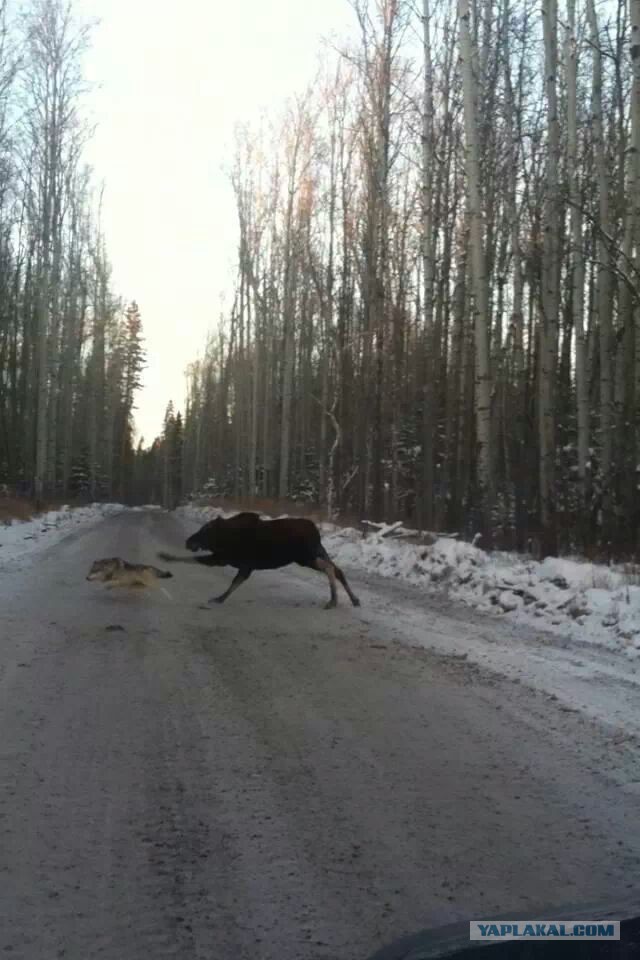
(343, 580)
(325, 566)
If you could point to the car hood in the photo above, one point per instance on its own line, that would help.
(453, 940)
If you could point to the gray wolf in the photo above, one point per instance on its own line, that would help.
(248, 543)
(116, 572)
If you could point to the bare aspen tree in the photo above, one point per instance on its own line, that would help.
(478, 274)
(428, 267)
(98, 393)
(634, 221)
(602, 255)
(74, 317)
(272, 307)
(325, 282)
(513, 111)
(577, 247)
(550, 282)
(255, 391)
(294, 160)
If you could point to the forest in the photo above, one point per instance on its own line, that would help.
(71, 353)
(436, 314)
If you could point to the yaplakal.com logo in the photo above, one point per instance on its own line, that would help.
(544, 930)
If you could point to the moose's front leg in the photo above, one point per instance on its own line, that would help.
(243, 574)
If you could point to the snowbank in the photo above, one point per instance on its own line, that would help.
(20, 538)
(584, 601)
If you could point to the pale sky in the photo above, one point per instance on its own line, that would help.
(173, 80)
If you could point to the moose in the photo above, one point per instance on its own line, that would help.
(247, 542)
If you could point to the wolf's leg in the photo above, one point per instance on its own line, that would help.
(243, 574)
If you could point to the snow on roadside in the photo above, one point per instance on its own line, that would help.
(585, 601)
(19, 538)
(574, 599)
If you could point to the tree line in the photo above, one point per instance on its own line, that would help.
(437, 308)
(71, 354)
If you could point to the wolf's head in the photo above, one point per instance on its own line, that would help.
(104, 569)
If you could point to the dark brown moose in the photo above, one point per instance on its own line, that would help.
(248, 543)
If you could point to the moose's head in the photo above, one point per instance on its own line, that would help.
(205, 537)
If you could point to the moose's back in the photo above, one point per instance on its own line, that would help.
(268, 544)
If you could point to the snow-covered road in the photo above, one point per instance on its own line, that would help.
(268, 778)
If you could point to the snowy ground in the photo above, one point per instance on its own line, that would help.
(19, 539)
(584, 601)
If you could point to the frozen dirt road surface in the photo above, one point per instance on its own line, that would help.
(271, 780)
